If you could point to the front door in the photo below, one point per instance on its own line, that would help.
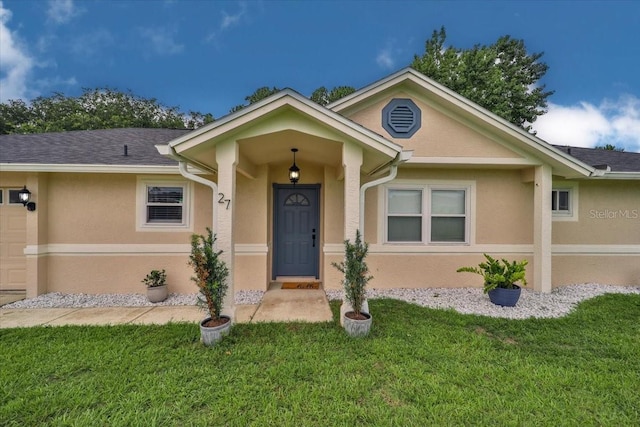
(296, 231)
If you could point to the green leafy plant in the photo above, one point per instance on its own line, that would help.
(499, 273)
(155, 278)
(356, 272)
(211, 273)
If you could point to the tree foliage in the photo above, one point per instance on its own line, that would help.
(502, 77)
(324, 97)
(609, 147)
(321, 95)
(94, 109)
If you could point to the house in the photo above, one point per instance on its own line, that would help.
(431, 179)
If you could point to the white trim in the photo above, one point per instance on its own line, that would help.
(557, 250)
(595, 249)
(42, 167)
(143, 182)
(81, 249)
(251, 249)
(479, 161)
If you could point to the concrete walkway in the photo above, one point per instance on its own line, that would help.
(276, 306)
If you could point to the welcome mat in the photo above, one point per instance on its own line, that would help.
(301, 285)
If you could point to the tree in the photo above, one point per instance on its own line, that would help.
(502, 77)
(321, 95)
(324, 97)
(609, 147)
(259, 94)
(94, 109)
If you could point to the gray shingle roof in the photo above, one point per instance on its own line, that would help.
(618, 161)
(89, 147)
(106, 147)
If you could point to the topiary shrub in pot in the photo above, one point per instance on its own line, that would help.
(500, 277)
(356, 322)
(211, 274)
(156, 283)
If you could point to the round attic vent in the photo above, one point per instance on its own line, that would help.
(401, 118)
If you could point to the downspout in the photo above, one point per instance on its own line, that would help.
(393, 172)
(182, 166)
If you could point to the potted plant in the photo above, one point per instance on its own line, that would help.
(500, 277)
(356, 322)
(156, 283)
(211, 275)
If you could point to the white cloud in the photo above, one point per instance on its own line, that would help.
(15, 62)
(62, 11)
(615, 122)
(162, 40)
(385, 59)
(232, 20)
(228, 21)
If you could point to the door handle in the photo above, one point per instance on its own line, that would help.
(313, 239)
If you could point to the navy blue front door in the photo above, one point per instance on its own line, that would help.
(296, 231)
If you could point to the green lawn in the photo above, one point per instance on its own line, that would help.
(419, 367)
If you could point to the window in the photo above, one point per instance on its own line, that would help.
(560, 201)
(448, 216)
(1, 196)
(404, 220)
(428, 213)
(14, 197)
(564, 202)
(163, 204)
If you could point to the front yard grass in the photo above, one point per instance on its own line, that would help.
(418, 367)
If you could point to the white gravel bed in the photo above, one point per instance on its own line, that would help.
(59, 300)
(558, 303)
(464, 300)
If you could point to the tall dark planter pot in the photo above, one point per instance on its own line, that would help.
(505, 297)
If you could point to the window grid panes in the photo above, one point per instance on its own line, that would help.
(441, 212)
(448, 216)
(165, 205)
(404, 220)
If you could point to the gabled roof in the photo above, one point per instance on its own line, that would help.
(470, 112)
(306, 116)
(616, 161)
(90, 148)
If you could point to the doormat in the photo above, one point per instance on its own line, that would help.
(301, 285)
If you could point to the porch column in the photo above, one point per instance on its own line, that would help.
(542, 229)
(227, 159)
(351, 161)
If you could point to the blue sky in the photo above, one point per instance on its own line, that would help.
(208, 56)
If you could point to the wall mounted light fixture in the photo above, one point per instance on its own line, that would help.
(294, 171)
(24, 196)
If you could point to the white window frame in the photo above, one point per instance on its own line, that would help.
(427, 187)
(143, 183)
(572, 213)
(7, 200)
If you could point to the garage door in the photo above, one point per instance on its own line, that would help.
(13, 238)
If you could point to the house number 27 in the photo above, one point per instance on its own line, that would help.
(223, 200)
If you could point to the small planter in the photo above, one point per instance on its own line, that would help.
(357, 327)
(210, 335)
(505, 297)
(157, 293)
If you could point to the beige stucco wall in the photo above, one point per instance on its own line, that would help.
(439, 135)
(610, 269)
(608, 213)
